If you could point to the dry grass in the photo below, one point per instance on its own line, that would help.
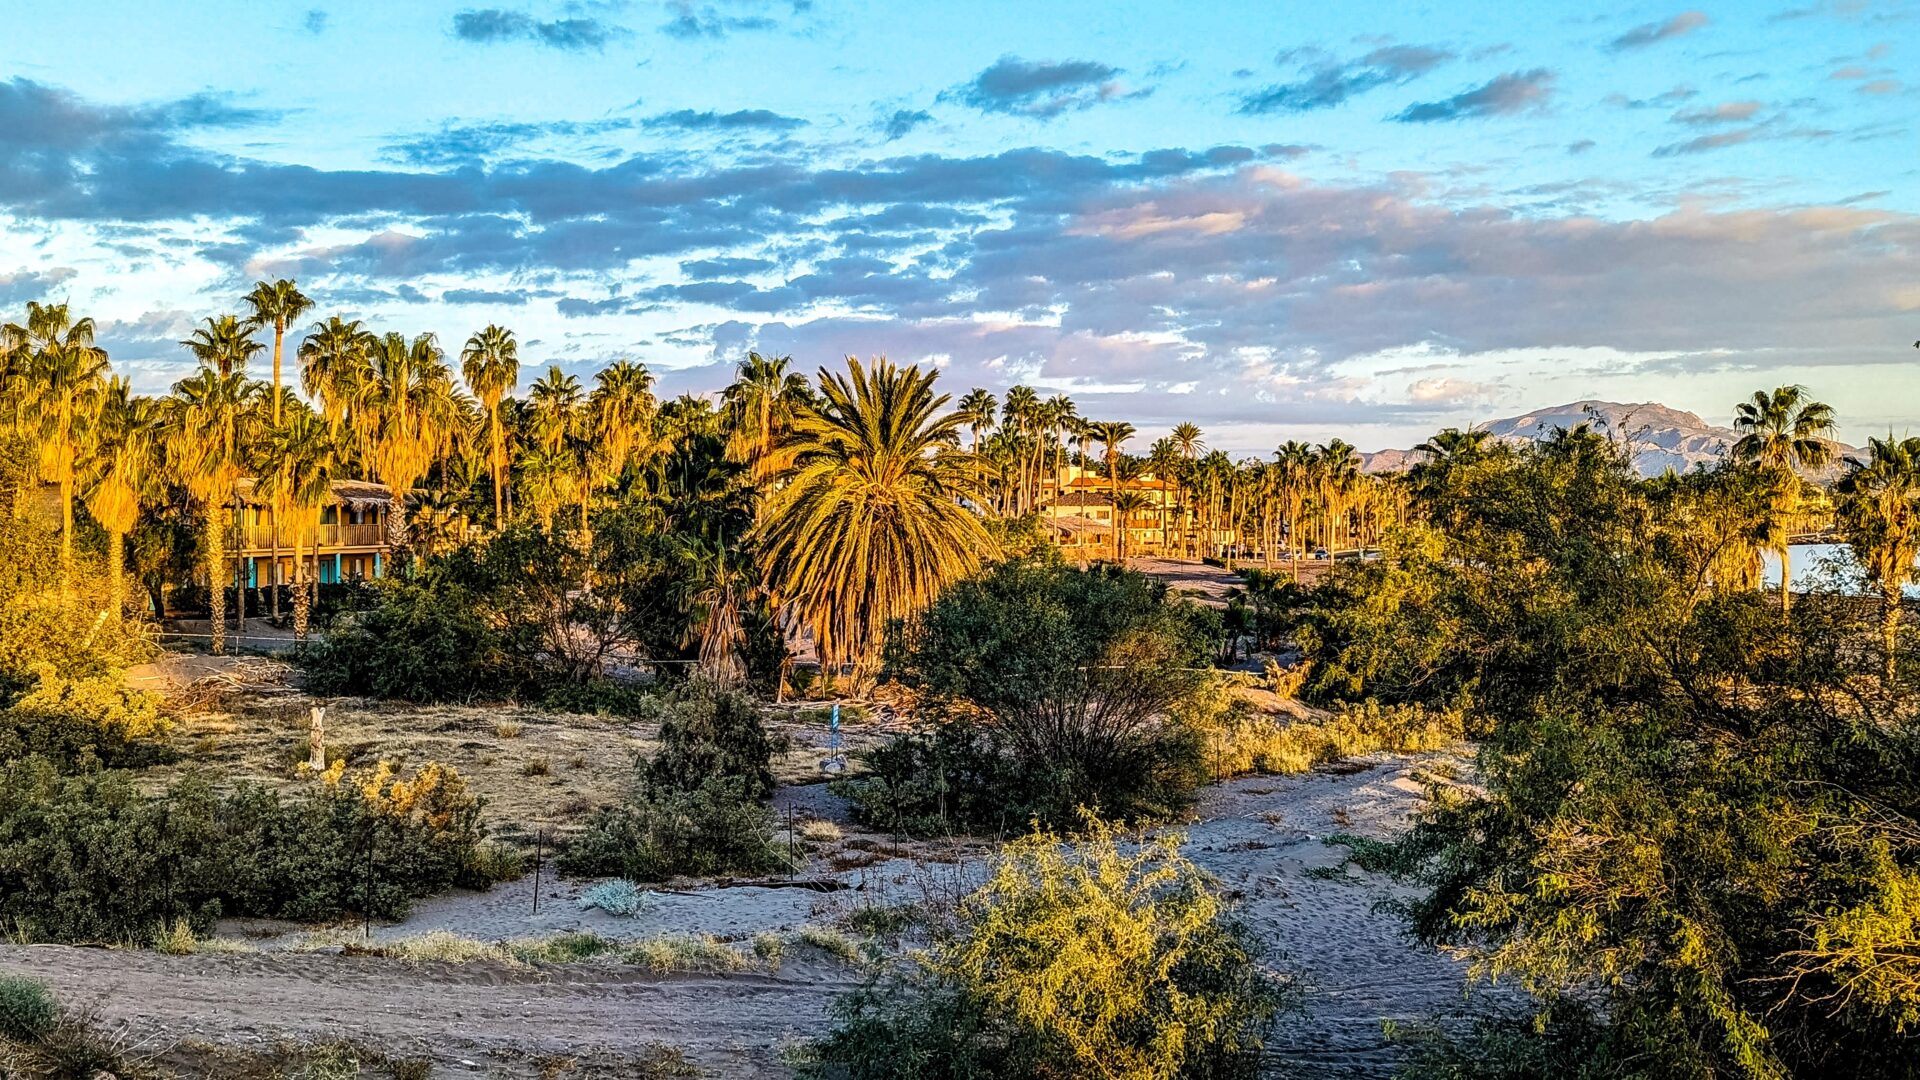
(1265, 745)
(834, 943)
(820, 832)
(677, 953)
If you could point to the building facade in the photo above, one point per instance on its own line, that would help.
(350, 543)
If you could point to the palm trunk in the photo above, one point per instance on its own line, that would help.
(1890, 629)
(273, 539)
(117, 574)
(1786, 581)
(302, 602)
(217, 583)
(66, 535)
(499, 484)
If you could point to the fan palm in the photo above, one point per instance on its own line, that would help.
(405, 414)
(490, 363)
(869, 526)
(65, 379)
(204, 453)
(1111, 435)
(123, 475)
(758, 411)
(620, 415)
(1880, 512)
(299, 460)
(277, 305)
(1780, 433)
(335, 361)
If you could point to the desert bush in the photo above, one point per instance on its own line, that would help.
(1237, 741)
(618, 897)
(27, 1009)
(1074, 959)
(88, 857)
(698, 806)
(42, 624)
(73, 720)
(1058, 685)
(424, 640)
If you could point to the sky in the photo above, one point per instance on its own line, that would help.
(1277, 220)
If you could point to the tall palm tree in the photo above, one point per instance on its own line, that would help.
(869, 526)
(713, 592)
(1780, 433)
(124, 474)
(335, 362)
(299, 460)
(557, 417)
(1112, 434)
(1880, 512)
(277, 305)
(405, 414)
(977, 411)
(757, 411)
(490, 363)
(1294, 465)
(204, 453)
(66, 378)
(621, 414)
(1018, 417)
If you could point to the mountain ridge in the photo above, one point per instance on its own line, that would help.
(1661, 437)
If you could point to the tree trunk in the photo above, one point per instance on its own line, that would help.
(1890, 629)
(499, 484)
(117, 574)
(66, 535)
(217, 583)
(1786, 581)
(273, 536)
(302, 602)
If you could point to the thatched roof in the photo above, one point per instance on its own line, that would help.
(359, 494)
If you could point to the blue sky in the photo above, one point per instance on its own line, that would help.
(1280, 220)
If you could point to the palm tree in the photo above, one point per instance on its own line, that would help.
(713, 592)
(1111, 435)
(977, 410)
(405, 415)
(300, 457)
(1018, 420)
(869, 526)
(122, 476)
(277, 305)
(619, 420)
(1294, 463)
(204, 452)
(65, 377)
(757, 411)
(556, 413)
(490, 364)
(1781, 433)
(335, 361)
(1880, 512)
(1125, 506)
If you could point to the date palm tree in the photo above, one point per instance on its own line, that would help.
(490, 363)
(277, 305)
(123, 475)
(1126, 506)
(1880, 513)
(298, 464)
(869, 526)
(1781, 433)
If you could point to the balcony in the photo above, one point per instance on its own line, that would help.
(251, 538)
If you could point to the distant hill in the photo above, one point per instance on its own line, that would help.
(1661, 438)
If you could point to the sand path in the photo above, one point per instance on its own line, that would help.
(1261, 836)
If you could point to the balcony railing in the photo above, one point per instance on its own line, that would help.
(261, 538)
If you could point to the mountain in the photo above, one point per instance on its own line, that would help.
(1661, 438)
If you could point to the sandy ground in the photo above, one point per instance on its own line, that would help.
(1210, 584)
(1261, 836)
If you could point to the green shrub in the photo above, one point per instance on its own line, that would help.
(427, 640)
(27, 1009)
(74, 720)
(697, 808)
(88, 857)
(1082, 959)
(1058, 684)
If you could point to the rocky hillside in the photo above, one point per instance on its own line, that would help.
(1661, 438)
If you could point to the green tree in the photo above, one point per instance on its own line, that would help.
(490, 364)
(1781, 433)
(277, 305)
(869, 526)
(1880, 513)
